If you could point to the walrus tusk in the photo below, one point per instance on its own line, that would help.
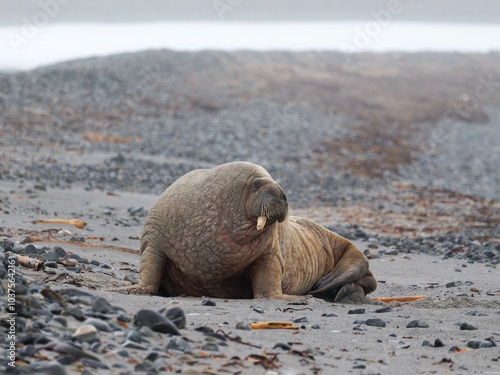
(76, 222)
(261, 222)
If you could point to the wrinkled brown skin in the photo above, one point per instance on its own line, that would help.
(200, 239)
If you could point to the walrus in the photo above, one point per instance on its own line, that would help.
(225, 232)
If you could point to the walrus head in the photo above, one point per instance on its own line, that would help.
(266, 202)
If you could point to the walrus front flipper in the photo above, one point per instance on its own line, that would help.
(150, 272)
(266, 276)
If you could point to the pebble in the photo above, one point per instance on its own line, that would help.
(151, 356)
(479, 344)
(66, 360)
(330, 315)
(208, 302)
(122, 352)
(61, 253)
(204, 329)
(176, 315)
(101, 305)
(136, 337)
(178, 343)
(302, 319)
(51, 257)
(133, 345)
(99, 324)
(384, 309)
(419, 323)
(475, 313)
(454, 284)
(103, 271)
(31, 249)
(55, 308)
(215, 335)
(467, 327)
(209, 346)
(243, 326)
(94, 364)
(437, 343)
(123, 318)
(62, 321)
(375, 322)
(259, 310)
(356, 311)
(282, 345)
(74, 350)
(86, 333)
(76, 312)
(156, 321)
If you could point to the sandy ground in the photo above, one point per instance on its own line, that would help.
(335, 347)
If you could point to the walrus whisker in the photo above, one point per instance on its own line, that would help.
(269, 209)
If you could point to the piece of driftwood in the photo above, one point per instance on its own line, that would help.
(76, 222)
(399, 299)
(78, 243)
(28, 262)
(273, 325)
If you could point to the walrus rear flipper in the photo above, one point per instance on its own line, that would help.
(331, 283)
(350, 276)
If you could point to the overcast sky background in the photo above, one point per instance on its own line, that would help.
(34, 33)
(460, 11)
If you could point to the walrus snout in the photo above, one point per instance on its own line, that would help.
(273, 206)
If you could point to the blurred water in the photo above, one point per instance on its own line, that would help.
(29, 46)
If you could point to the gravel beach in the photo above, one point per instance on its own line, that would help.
(407, 171)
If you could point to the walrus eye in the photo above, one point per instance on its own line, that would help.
(256, 184)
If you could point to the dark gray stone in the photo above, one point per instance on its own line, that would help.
(178, 343)
(136, 337)
(375, 322)
(467, 327)
(101, 305)
(61, 253)
(31, 249)
(55, 308)
(302, 319)
(176, 315)
(418, 323)
(51, 256)
(356, 311)
(480, 344)
(453, 284)
(133, 345)
(243, 326)
(210, 346)
(93, 364)
(99, 324)
(76, 312)
(156, 321)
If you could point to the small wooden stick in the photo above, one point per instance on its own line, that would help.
(78, 243)
(399, 299)
(30, 262)
(273, 325)
(76, 222)
(238, 340)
